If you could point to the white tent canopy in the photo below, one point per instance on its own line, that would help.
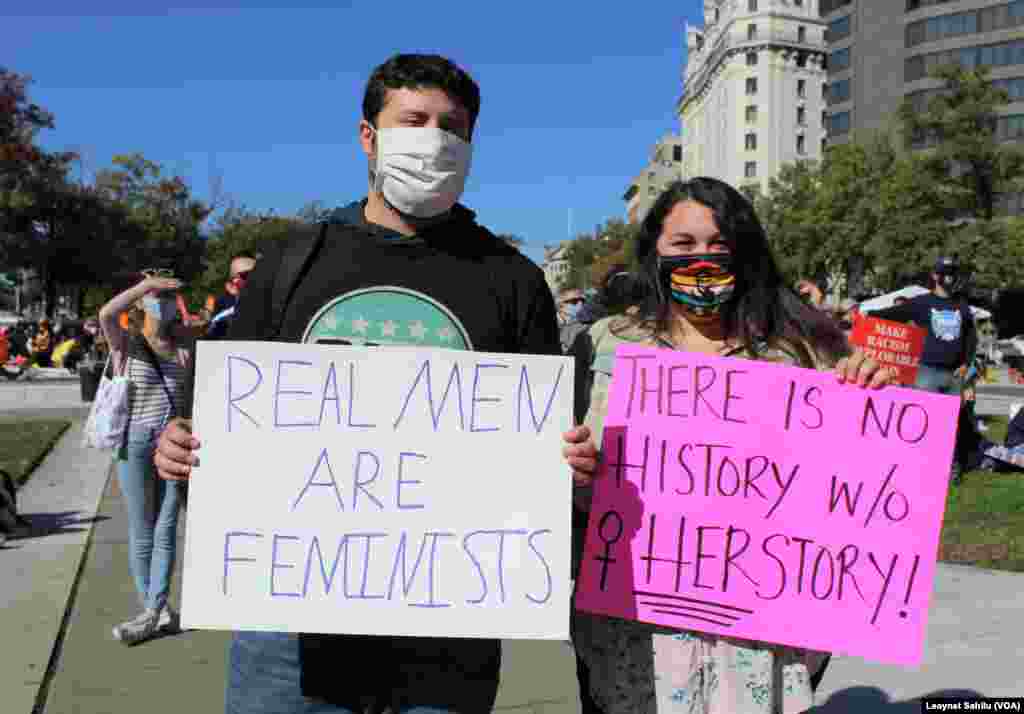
(889, 299)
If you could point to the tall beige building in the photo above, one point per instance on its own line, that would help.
(753, 91)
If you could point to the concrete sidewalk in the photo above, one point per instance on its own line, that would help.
(55, 394)
(38, 571)
(61, 590)
(187, 672)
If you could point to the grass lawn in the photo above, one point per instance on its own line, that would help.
(984, 523)
(24, 443)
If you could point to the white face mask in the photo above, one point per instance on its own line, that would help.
(421, 171)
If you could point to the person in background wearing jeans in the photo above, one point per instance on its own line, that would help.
(952, 339)
(154, 396)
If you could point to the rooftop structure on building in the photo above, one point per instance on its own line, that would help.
(753, 90)
(664, 167)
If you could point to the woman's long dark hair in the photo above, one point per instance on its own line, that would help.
(764, 309)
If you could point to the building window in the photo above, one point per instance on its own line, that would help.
(989, 19)
(801, 88)
(838, 29)
(824, 144)
(1003, 54)
(750, 169)
(801, 34)
(751, 59)
(751, 31)
(1010, 128)
(828, 6)
(677, 154)
(752, 5)
(751, 85)
(801, 59)
(824, 90)
(798, 3)
(801, 145)
(838, 124)
(839, 60)
(751, 114)
(801, 116)
(751, 142)
(839, 91)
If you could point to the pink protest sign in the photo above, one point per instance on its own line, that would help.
(771, 503)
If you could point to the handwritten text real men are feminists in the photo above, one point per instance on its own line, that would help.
(325, 393)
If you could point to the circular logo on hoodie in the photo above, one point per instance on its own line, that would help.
(387, 315)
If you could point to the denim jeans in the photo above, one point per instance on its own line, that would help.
(152, 506)
(263, 678)
(936, 379)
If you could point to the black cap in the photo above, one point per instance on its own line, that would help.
(947, 264)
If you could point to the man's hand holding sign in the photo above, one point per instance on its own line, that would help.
(764, 502)
(413, 492)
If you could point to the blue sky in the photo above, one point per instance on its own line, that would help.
(574, 94)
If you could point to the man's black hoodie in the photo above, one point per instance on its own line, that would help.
(452, 285)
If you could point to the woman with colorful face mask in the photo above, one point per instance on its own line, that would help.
(712, 287)
(154, 353)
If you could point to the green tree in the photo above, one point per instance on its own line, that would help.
(163, 206)
(788, 212)
(912, 227)
(993, 251)
(237, 230)
(590, 255)
(959, 132)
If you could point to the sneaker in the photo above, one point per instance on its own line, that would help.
(169, 621)
(138, 629)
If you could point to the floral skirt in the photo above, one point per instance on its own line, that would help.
(637, 668)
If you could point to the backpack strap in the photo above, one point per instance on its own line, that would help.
(298, 255)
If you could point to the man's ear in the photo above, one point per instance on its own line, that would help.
(367, 138)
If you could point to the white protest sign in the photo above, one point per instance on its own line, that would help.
(379, 490)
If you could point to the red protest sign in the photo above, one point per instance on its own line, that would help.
(892, 344)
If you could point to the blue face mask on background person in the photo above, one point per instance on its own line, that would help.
(572, 310)
(160, 309)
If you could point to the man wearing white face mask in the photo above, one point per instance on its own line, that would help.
(407, 265)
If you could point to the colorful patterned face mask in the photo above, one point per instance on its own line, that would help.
(701, 283)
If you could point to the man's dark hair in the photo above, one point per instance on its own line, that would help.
(420, 72)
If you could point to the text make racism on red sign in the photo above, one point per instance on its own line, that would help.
(892, 344)
(770, 503)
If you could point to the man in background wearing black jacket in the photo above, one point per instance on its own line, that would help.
(951, 341)
(952, 337)
(405, 266)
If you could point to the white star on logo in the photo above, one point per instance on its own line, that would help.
(388, 328)
(446, 334)
(360, 325)
(418, 330)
